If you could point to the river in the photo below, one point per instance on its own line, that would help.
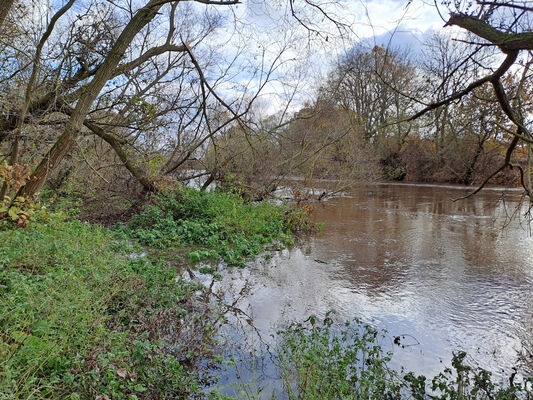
(406, 258)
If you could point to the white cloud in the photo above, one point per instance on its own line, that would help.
(259, 31)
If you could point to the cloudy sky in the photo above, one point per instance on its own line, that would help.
(265, 31)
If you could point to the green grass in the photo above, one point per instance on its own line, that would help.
(75, 316)
(81, 318)
(214, 225)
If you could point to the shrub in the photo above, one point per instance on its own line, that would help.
(215, 224)
(323, 360)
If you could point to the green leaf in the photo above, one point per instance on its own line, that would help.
(140, 388)
(13, 213)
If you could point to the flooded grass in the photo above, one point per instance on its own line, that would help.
(88, 312)
(214, 225)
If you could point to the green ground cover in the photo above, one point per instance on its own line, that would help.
(83, 316)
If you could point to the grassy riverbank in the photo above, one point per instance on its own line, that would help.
(88, 312)
(214, 225)
(85, 314)
(79, 319)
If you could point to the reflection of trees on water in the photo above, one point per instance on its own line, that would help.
(420, 253)
(424, 224)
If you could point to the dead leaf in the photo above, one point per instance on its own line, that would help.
(125, 374)
(122, 372)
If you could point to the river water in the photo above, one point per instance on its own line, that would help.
(449, 275)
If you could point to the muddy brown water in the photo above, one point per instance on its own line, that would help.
(450, 275)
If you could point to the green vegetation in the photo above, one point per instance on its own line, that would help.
(83, 314)
(323, 360)
(214, 225)
(78, 318)
(465, 382)
(316, 363)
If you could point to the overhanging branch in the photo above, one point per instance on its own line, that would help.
(507, 42)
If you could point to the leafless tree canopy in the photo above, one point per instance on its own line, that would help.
(164, 88)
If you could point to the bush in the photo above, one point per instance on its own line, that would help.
(215, 224)
(316, 361)
(325, 360)
(394, 174)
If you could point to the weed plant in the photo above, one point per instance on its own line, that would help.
(79, 319)
(215, 225)
(320, 359)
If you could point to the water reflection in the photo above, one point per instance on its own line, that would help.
(410, 260)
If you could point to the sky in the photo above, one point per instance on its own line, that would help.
(262, 34)
(266, 27)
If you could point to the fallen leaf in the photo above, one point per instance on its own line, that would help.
(123, 373)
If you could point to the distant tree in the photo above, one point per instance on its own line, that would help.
(366, 84)
(507, 27)
(5, 6)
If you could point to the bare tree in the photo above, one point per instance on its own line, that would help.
(506, 26)
(141, 78)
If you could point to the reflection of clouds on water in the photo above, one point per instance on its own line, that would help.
(409, 260)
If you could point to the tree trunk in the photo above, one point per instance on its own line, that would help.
(63, 145)
(143, 178)
(29, 89)
(528, 175)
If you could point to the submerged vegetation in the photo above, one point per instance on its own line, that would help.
(321, 359)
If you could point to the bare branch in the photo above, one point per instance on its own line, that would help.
(504, 67)
(508, 43)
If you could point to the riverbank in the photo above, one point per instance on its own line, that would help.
(91, 312)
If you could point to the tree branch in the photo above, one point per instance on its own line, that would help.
(507, 63)
(508, 43)
(154, 51)
(506, 163)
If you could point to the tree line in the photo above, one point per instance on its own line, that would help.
(110, 96)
